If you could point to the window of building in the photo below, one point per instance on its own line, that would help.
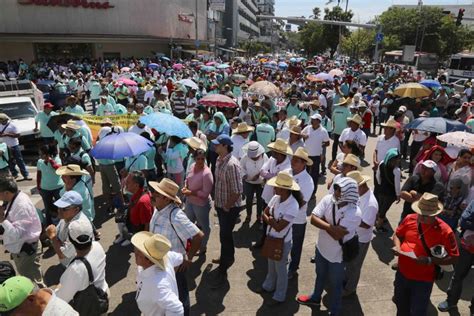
(57, 51)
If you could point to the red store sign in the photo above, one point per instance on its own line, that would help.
(69, 3)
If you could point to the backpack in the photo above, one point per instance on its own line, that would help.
(73, 160)
(6, 271)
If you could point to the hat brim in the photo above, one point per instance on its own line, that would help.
(288, 149)
(157, 188)
(193, 146)
(138, 241)
(70, 126)
(295, 133)
(61, 204)
(416, 208)
(294, 186)
(66, 172)
(248, 130)
(352, 120)
(341, 103)
(387, 125)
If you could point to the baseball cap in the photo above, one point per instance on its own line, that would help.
(430, 164)
(14, 291)
(69, 198)
(80, 231)
(223, 140)
(316, 116)
(48, 105)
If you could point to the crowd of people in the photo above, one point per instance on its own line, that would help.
(267, 153)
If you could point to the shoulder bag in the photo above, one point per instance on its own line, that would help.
(272, 246)
(439, 273)
(350, 248)
(91, 301)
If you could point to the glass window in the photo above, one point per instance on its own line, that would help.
(18, 110)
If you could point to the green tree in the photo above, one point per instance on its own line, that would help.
(293, 40)
(316, 13)
(358, 43)
(253, 47)
(311, 36)
(331, 32)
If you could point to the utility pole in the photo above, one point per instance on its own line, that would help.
(196, 28)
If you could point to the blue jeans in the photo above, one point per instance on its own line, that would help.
(17, 159)
(411, 297)
(227, 221)
(298, 238)
(277, 275)
(200, 214)
(335, 273)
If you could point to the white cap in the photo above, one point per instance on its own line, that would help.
(80, 231)
(164, 90)
(430, 164)
(402, 108)
(316, 116)
(69, 198)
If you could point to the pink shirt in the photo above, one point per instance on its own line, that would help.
(200, 183)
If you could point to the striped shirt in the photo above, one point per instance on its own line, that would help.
(179, 104)
(228, 180)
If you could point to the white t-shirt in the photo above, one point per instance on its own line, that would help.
(369, 208)
(9, 128)
(348, 216)
(269, 170)
(58, 307)
(287, 210)
(374, 106)
(383, 145)
(157, 291)
(238, 143)
(315, 140)
(358, 136)
(306, 184)
(76, 278)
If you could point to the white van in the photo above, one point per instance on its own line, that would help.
(22, 112)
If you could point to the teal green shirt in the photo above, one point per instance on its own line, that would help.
(59, 138)
(42, 118)
(85, 144)
(86, 134)
(150, 157)
(136, 163)
(265, 134)
(85, 159)
(120, 109)
(340, 114)
(105, 162)
(4, 156)
(105, 109)
(148, 110)
(87, 200)
(76, 109)
(293, 110)
(49, 179)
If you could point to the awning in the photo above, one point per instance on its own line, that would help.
(200, 52)
(225, 50)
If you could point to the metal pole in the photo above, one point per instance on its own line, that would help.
(196, 29)
(271, 37)
(215, 39)
(376, 52)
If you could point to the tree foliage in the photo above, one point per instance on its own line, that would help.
(254, 47)
(312, 40)
(358, 43)
(331, 32)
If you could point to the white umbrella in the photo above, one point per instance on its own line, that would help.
(459, 139)
(264, 88)
(188, 83)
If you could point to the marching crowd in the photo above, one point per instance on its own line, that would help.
(267, 153)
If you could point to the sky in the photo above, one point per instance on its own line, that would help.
(364, 10)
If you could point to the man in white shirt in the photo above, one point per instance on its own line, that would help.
(157, 290)
(240, 137)
(20, 296)
(20, 229)
(299, 161)
(369, 208)
(337, 216)
(316, 137)
(353, 132)
(386, 141)
(9, 134)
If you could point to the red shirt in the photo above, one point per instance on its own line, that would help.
(141, 209)
(438, 234)
(367, 118)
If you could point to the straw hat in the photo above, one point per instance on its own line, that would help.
(242, 128)
(427, 205)
(195, 143)
(303, 154)
(280, 146)
(153, 246)
(284, 180)
(356, 119)
(358, 177)
(293, 121)
(352, 160)
(3, 116)
(390, 123)
(71, 170)
(296, 130)
(106, 121)
(70, 125)
(167, 188)
(343, 101)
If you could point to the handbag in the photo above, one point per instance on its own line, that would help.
(439, 273)
(272, 246)
(91, 301)
(350, 248)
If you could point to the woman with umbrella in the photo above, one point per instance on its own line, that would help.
(217, 127)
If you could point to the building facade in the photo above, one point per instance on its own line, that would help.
(240, 21)
(52, 29)
(266, 7)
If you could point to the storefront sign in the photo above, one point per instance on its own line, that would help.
(217, 5)
(69, 3)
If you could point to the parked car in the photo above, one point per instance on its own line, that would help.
(52, 95)
(22, 112)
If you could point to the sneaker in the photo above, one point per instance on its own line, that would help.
(306, 300)
(125, 243)
(27, 178)
(119, 240)
(444, 306)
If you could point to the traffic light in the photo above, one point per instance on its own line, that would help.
(459, 18)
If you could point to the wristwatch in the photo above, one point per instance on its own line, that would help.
(429, 260)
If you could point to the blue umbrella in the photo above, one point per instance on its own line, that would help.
(153, 66)
(430, 83)
(436, 125)
(168, 124)
(208, 68)
(119, 146)
(293, 60)
(165, 58)
(223, 66)
(283, 65)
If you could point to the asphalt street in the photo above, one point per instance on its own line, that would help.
(238, 297)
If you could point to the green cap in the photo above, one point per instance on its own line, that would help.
(14, 291)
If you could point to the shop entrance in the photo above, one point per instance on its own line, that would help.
(57, 51)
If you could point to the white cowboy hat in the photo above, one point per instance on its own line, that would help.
(153, 246)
